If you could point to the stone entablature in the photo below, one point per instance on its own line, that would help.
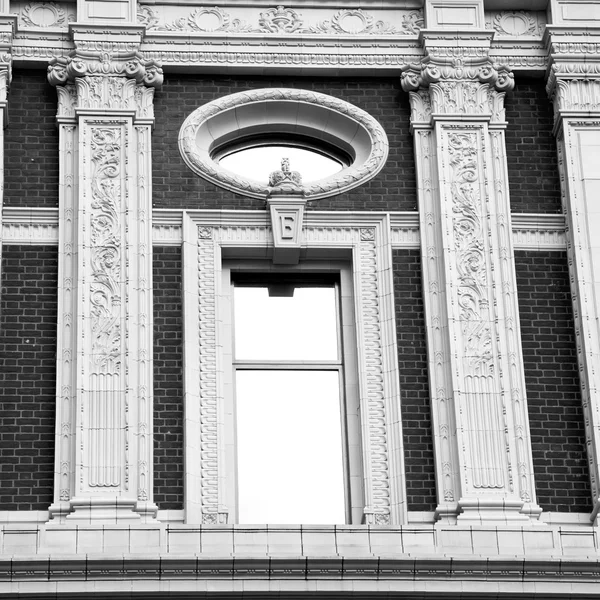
(477, 559)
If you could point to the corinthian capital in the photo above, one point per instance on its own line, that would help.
(64, 70)
(461, 79)
(98, 54)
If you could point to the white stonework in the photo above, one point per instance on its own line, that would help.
(457, 59)
(207, 239)
(104, 378)
(483, 454)
(573, 87)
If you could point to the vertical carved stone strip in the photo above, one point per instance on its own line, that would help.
(140, 223)
(105, 291)
(66, 341)
(471, 293)
(391, 384)
(191, 370)
(444, 427)
(106, 440)
(377, 486)
(210, 402)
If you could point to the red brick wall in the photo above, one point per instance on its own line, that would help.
(531, 149)
(552, 381)
(31, 142)
(168, 379)
(176, 186)
(414, 384)
(27, 376)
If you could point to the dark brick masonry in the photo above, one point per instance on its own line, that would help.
(531, 149)
(552, 381)
(168, 379)
(31, 142)
(176, 186)
(414, 384)
(27, 376)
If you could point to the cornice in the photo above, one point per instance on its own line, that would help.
(372, 37)
(574, 576)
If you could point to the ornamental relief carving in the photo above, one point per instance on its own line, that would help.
(470, 250)
(283, 21)
(105, 250)
(45, 15)
(516, 23)
(482, 401)
(577, 95)
(105, 59)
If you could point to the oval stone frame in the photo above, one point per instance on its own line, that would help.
(286, 111)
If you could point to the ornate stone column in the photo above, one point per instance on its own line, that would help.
(574, 86)
(479, 409)
(104, 365)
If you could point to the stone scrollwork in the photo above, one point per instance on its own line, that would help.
(63, 69)
(105, 296)
(284, 21)
(205, 20)
(413, 22)
(147, 17)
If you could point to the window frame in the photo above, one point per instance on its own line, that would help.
(304, 272)
(361, 239)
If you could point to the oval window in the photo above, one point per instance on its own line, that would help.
(239, 140)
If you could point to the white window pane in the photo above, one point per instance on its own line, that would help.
(300, 327)
(289, 444)
(259, 162)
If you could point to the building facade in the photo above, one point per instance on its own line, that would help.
(457, 238)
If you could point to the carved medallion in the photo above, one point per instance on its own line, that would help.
(44, 14)
(515, 23)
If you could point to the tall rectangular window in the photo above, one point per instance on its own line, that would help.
(289, 413)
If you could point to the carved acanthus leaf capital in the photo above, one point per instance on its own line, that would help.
(65, 69)
(461, 79)
(474, 89)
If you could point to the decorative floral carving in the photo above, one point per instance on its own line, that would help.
(515, 23)
(413, 22)
(359, 22)
(147, 17)
(208, 20)
(346, 22)
(105, 250)
(44, 14)
(280, 20)
(481, 401)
